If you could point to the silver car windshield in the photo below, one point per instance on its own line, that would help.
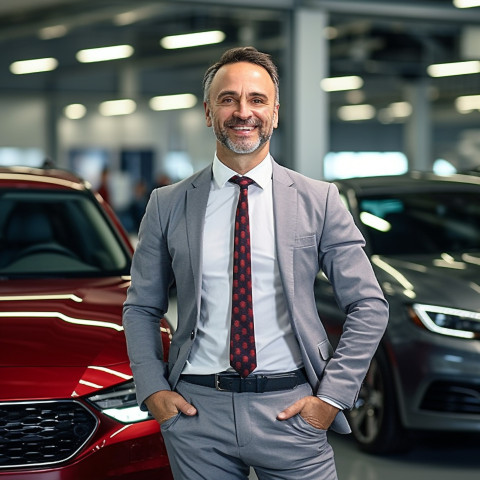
(422, 223)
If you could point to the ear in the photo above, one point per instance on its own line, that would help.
(275, 115)
(208, 117)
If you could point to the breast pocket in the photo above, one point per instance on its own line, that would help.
(306, 241)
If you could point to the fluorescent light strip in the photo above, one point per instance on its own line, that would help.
(466, 3)
(454, 68)
(337, 84)
(173, 102)
(104, 54)
(134, 15)
(117, 107)
(192, 39)
(467, 103)
(36, 65)
(75, 111)
(350, 113)
(400, 109)
(54, 31)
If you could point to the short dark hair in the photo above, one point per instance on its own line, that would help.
(241, 54)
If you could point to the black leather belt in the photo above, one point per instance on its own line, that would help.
(232, 382)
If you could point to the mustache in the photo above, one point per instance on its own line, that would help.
(243, 123)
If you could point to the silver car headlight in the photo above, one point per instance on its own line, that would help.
(448, 321)
(119, 402)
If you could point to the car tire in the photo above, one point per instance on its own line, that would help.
(375, 419)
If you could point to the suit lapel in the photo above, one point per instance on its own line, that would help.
(285, 217)
(196, 205)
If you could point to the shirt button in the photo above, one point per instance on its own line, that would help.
(192, 335)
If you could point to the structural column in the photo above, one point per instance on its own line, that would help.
(418, 128)
(310, 103)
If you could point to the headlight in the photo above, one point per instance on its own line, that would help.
(119, 402)
(447, 321)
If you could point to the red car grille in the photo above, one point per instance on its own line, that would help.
(43, 433)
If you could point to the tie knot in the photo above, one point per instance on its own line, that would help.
(244, 182)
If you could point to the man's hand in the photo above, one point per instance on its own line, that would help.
(166, 404)
(315, 411)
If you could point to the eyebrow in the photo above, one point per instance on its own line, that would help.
(233, 93)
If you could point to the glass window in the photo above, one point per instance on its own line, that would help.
(417, 223)
(57, 233)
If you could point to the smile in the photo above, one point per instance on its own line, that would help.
(243, 130)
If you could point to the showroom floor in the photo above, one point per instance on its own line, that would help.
(432, 457)
(435, 457)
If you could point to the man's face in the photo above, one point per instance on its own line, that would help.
(242, 108)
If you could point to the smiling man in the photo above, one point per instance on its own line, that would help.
(242, 107)
(251, 379)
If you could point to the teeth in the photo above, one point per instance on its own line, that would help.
(243, 128)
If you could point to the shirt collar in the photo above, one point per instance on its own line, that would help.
(261, 174)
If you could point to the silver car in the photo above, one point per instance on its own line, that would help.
(423, 239)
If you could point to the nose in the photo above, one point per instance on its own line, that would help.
(243, 111)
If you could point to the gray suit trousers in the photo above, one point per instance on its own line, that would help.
(235, 431)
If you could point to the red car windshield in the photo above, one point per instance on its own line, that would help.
(45, 233)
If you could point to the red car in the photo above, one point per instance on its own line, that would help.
(67, 398)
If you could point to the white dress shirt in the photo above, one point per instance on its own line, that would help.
(277, 347)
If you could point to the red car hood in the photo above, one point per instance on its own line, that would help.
(61, 337)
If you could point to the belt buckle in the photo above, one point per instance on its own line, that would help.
(217, 383)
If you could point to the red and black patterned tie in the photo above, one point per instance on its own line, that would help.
(243, 357)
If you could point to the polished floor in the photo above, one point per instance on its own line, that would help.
(433, 457)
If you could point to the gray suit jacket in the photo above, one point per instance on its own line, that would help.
(314, 232)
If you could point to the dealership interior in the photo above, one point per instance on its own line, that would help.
(366, 88)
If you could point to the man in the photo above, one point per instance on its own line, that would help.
(274, 413)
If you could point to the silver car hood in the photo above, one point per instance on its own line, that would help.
(448, 279)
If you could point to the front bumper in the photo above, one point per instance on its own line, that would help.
(124, 452)
(437, 381)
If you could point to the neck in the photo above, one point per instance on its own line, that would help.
(241, 163)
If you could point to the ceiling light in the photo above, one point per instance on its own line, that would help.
(337, 84)
(395, 111)
(467, 103)
(355, 96)
(466, 3)
(34, 66)
(455, 68)
(117, 107)
(173, 102)
(330, 32)
(126, 18)
(350, 113)
(104, 54)
(192, 39)
(135, 15)
(75, 111)
(55, 31)
(401, 109)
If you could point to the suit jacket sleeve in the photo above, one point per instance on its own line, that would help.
(147, 302)
(344, 262)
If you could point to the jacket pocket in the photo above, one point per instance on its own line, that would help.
(326, 350)
(306, 241)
